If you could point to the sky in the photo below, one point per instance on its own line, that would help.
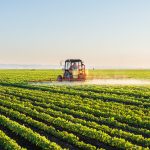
(105, 33)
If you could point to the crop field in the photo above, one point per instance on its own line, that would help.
(73, 117)
(22, 76)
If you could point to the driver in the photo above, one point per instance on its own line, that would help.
(73, 66)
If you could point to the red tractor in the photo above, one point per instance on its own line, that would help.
(74, 70)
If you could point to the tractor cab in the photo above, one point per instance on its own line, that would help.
(74, 70)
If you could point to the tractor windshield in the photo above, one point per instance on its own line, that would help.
(73, 65)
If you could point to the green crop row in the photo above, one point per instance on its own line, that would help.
(103, 96)
(101, 119)
(28, 134)
(126, 91)
(63, 135)
(129, 119)
(76, 128)
(138, 139)
(7, 143)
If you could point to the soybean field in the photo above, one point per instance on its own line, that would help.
(87, 117)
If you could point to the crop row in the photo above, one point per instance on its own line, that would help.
(85, 116)
(63, 135)
(138, 139)
(7, 143)
(58, 92)
(100, 120)
(103, 96)
(76, 128)
(28, 134)
(88, 115)
(77, 97)
(133, 120)
(140, 94)
(23, 76)
(130, 108)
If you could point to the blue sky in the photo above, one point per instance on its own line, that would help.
(107, 33)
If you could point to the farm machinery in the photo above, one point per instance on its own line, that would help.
(74, 70)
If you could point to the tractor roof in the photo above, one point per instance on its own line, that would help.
(73, 60)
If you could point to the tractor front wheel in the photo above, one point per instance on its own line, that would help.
(59, 78)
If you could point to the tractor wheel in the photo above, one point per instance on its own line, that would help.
(59, 78)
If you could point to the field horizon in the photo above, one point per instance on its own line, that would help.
(43, 66)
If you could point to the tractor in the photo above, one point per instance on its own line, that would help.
(74, 70)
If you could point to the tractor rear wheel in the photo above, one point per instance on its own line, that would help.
(82, 77)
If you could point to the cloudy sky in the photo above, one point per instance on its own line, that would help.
(106, 33)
